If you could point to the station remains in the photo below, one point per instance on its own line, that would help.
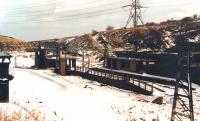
(126, 67)
(45, 58)
(165, 63)
(56, 58)
(128, 64)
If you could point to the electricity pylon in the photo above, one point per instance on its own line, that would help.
(135, 14)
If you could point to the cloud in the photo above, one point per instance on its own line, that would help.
(41, 19)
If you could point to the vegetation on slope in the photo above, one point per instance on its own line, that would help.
(148, 37)
(12, 44)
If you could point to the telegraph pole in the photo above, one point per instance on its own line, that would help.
(135, 14)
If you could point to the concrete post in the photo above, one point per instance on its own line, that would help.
(62, 67)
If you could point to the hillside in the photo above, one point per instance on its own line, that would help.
(12, 44)
(149, 37)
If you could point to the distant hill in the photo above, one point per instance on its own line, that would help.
(148, 37)
(12, 44)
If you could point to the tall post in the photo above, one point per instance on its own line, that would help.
(190, 87)
(83, 60)
(88, 62)
(15, 61)
(106, 50)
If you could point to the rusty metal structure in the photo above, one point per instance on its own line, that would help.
(5, 77)
(183, 100)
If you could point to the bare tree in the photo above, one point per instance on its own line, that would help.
(110, 28)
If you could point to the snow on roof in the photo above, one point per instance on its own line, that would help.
(4, 54)
(131, 59)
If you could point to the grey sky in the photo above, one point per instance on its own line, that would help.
(44, 19)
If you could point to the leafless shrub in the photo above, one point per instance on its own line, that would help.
(16, 112)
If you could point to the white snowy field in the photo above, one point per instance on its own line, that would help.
(71, 98)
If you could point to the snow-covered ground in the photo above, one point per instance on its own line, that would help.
(72, 98)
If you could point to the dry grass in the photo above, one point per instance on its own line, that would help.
(12, 44)
(14, 111)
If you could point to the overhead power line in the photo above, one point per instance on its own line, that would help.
(173, 4)
(30, 5)
(73, 16)
(50, 3)
(48, 10)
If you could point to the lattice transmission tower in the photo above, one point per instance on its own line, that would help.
(135, 15)
(182, 109)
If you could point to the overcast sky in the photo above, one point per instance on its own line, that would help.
(44, 19)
